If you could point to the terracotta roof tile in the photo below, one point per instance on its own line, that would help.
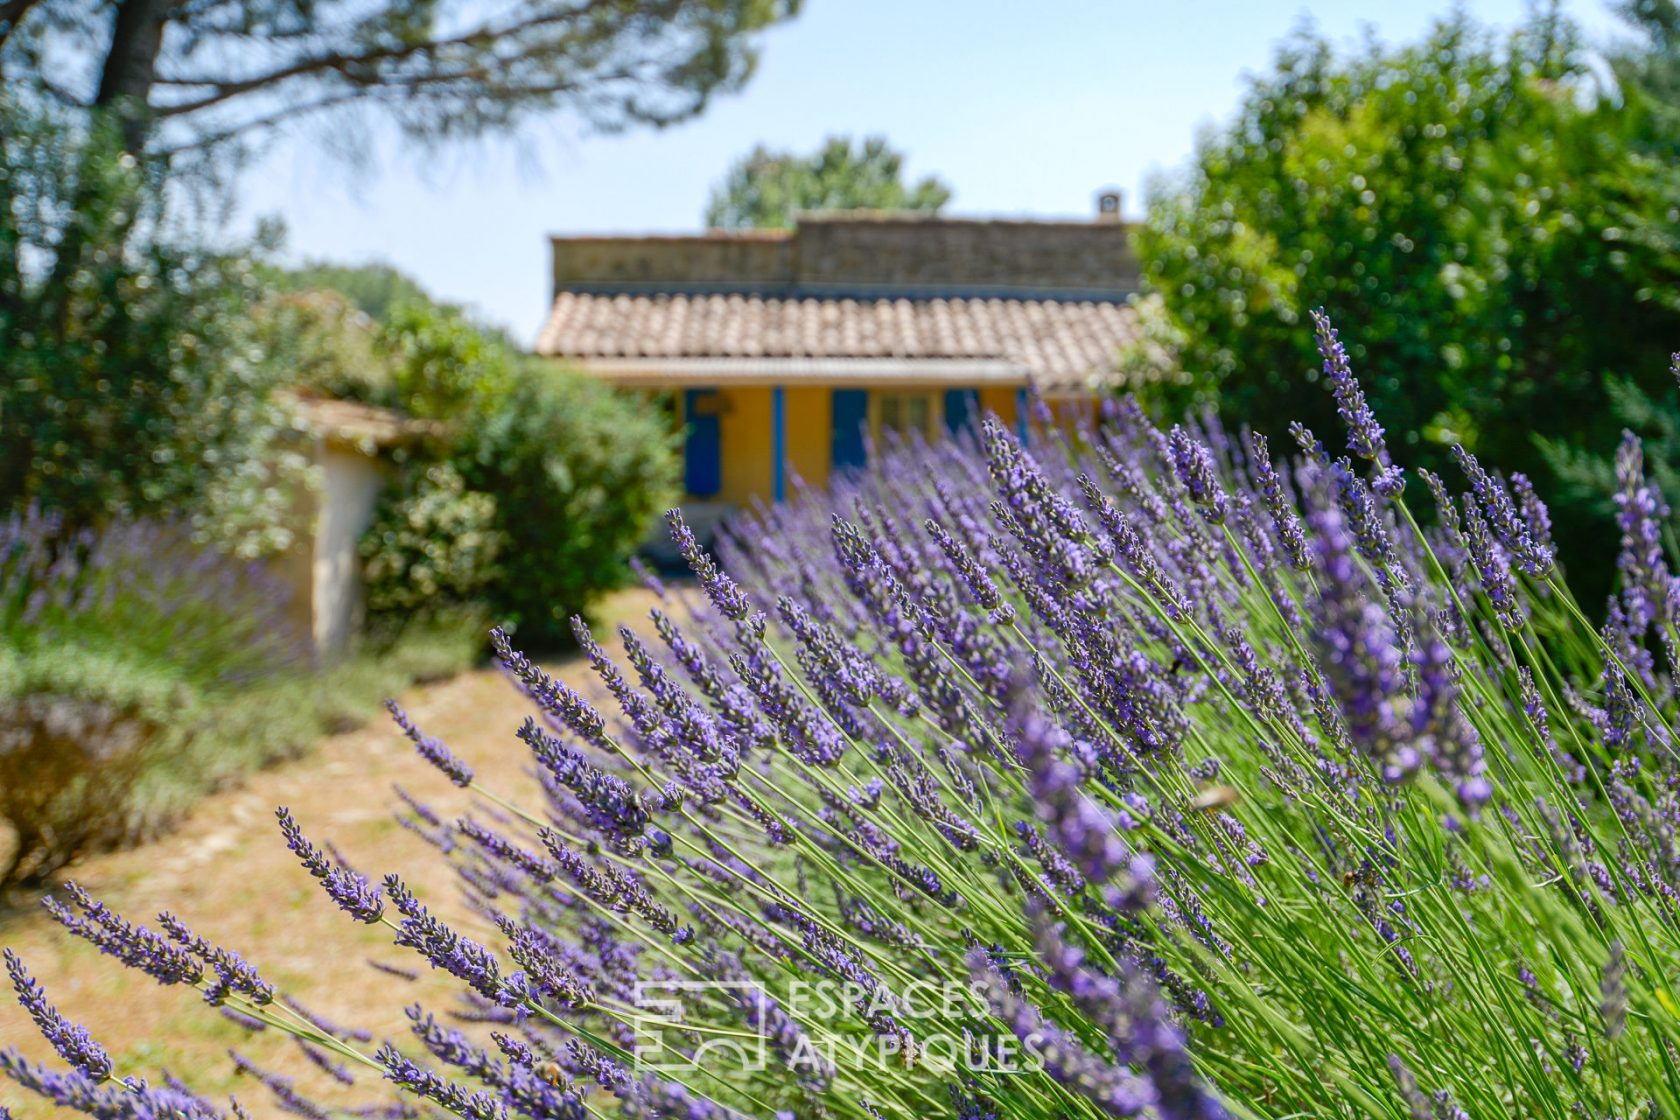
(1067, 346)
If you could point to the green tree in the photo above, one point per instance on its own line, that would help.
(766, 189)
(189, 74)
(181, 85)
(1647, 70)
(1470, 212)
(131, 385)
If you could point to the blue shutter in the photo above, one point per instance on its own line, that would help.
(960, 407)
(851, 413)
(703, 450)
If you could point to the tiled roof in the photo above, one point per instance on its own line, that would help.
(1065, 346)
(352, 423)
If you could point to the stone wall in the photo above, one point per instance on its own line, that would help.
(865, 254)
(974, 257)
(746, 261)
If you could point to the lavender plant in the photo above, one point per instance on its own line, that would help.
(117, 646)
(1129, 773)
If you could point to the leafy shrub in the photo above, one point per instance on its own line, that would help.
(579, 473)
(139, 671)
(535, 490)
(541, 485)
(376, 290)
(328, 347)
(443, 365)
(434, 544)
(66, 763)
(1588, 478)
(1471, 203)
(1185, 778)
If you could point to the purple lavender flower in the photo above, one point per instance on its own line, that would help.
(1641, 512)
(1193, 463)
(1513, 530)
(1285, 520)
(531, 951)
(1535, 514)
(1134, 549)
(135, 946)
(1362, 655)
(470, 1103)
(561, 704)
(1613, 995)
(1440, 729)
(349, 889)
(618, 890)
(1082, 829)
(1111, 1087)
(726, 595)
(1492, 568)
(975, 577)
(607, 801)
(234, 974)
(71, 1040)
(443, 948)
(284, 1091)
(431, 749)
(1365, 435)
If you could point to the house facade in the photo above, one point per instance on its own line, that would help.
(781, 352)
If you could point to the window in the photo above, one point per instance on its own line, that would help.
(905, 412)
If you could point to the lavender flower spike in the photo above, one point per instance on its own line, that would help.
(430, 749)
(135, 946)
(1194, 464)
(1365, 435)
(351, 891)
(72, 1041)
(417, 1079)
(1613, 1003)
(1510, 525)
(234, 974)
(726, 595)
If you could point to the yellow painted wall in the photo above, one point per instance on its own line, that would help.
(746, 439)
(744, 433)
(1001, 400)
(810, 433)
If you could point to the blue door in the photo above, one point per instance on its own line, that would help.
(703, 449)
(960, 407)
(851, 413)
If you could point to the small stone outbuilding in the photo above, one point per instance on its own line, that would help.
(350, 446)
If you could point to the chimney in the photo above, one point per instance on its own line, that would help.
(1108, 205)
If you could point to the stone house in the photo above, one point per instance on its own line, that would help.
(780, 351)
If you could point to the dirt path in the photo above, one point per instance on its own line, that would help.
(228, 875)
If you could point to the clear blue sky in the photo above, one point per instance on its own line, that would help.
(1024, 108)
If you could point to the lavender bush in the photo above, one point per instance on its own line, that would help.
(1134, 772)
(140, 669)
(117, 647)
